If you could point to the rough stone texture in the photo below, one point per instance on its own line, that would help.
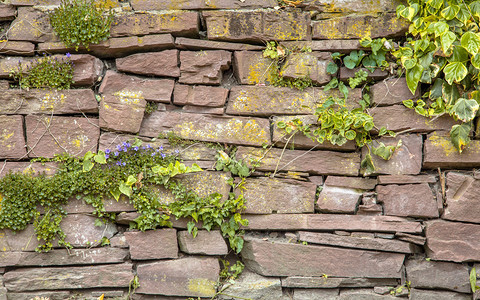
(31, 279)
(33, 168)
(313, 162)
(392, 91)
(178, 23)
(122, 111)
(31, 25)
(47, 136)
(461, 198)
(189, 276)
(238, 130)
(82, 232)
(157, 90)
(79, 206)
(318, 294)
(331, 222)
(452, 241)
(378, 74)
(332, 282)
(206, 243)
(416, 294)
(406, 179)
(253, 286)
(343, 46)
(250, 67)
(16, 48)
(356, 27)
(334, 199)
(363, 294)
(312, 65)
(36, 101)
(200, 4)
(164, 63)
(283, 259)
(87, 69)
(32, 295)
(202, 110)
(440, 153)
(198, 95)
(204, 67)
(414, 239)
(409, 200)
(257, 26)
(12, 141)
(332, 6)
(378, 244)
(63, 257)
(152, 244)
(351, 182)
(194, 44)
(438, 275)
(270, 195)
(400, 118)
(18, 241)
(269, 100)
(7, 12)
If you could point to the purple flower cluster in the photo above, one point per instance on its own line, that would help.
(126, 146)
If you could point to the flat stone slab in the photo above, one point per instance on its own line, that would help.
(18, 241)
(163, 63)
(376, 6)
(438, 275)
(351, 182)
(284, 259)
(391, 91)
(343, 46)
(440, 153)
(406, 179)
(188, 276)
(313, 162)
(257, 26)
(272, 195)
(200, 95)
(335, 282)
(123, 111)
(200, 4)
(334, 199)
(452, 241)
(205, 243)
(31, 25)
(250, 67)
(409, 200)
(33, 168)
(253, 286)
(152, 244)
(17, 48)
(33, 279)
(80, 230)
(416, 294)
(331, 222)
(204, 67)
(319, 294)
(234, 130)
(46, 294)
(364, 294)
(195, 44)
(47, 135)
(12, 141)
(311, 65)
(462, 198)
(377, 244)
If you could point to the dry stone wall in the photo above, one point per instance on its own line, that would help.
(317, 230)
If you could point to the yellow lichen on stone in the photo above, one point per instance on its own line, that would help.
(202, 286)
(442, 142)
(129, 97)
(80, 141)
(5, 137)
(52, 101)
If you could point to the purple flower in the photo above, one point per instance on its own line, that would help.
(135, 148)
(116, 153)
(68, 54)
(153, 154)
(143, 148)
(177, 151)
(125, 149)
(118, 163)
(107, 151)
(160, 148)
(163, 155)
(119, 148)
(127, 144)
(149, 147)
(107, 156)
(123, 163)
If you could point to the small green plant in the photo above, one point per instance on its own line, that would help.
(228, 272)
(151, 107)
(230, 164)
(473, 281)
(81, 22)
(46, 72)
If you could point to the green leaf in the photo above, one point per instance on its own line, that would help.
(473, 280)
(115, 193)
(447, 40)
(125, 189)
(131, 180)
(100, 158)
(459, 54)
(195, 168)
(367, 165)
(463, 15)
(435, 3)
(459, 135)
(413, 77)
(386, 152)
(350, 135)
(87, 165)
(88, 155)
(350, 62)
(436, 90)
(190, 226)
(332, 68)
(471, 42)
(440, 28)
(475, 8)
(476, 61)
(384, 130)
(450, 12)
(407, 103)
(465, 110)
(455, 71)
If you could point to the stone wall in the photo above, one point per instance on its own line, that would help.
(415, 220)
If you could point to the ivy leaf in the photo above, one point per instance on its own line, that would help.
(436, 90)
(408, 103)
(447, 40)
(473, 280)
(435, 3)
(100, 158)
(386, 152)
(465, 110)
(471, 42)
(413, 77)
(450, 93)
(332, 68)
(367, 165)
(459, 136)
(87, 165)
(450, 12)
(195, 168)
(439, 28)
(115, 193)
(463, 15)
(350, 135)
(459, 54)
(476, 61)
(131, 180)
(125, 189)
(475, 8)
(88, 155)
(454, 71)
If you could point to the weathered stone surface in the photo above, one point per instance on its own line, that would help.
(87, 69)
(406, 179)
(79, 206)
(399, 118)
(31, 25)
(122, 111)
(63, 257)
(152, 244)
(351, 182)
(189, 276)
(307, 64)
(81, 230)
(332, 6)
(410, 200)
(204, 67)
(194, 44)
(378, 244)
(7, 12)
(116, 47)
(269, 100)
(16, 48)
(356, 27)
(331, 222)
(235, 130)
(378, 74)
(23, 240)
(178, 23)
(47, 136)
(334, 199)
(12, 141)
(32, 279)
(392, 91)
(206, 243)
(47, 294)
(202, 110)
(157, 90)
(198, 95)
(461, 198)
(250, 67)
(416, 294)
(363, 294)
(452, 241)
(200, 4)
(343, 46)
(440, 152)
(313, 162)
(164, 63)
(438, 275)
(253, 286)
(284, 259)
(34, 168)
(318, 294)
(414, 239)
(257, 26)
(269, 195)
(333, 282)
(37, 101)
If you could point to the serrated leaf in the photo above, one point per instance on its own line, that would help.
(465, 109)
(413, 77)
(459, 135)
(471, 42)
